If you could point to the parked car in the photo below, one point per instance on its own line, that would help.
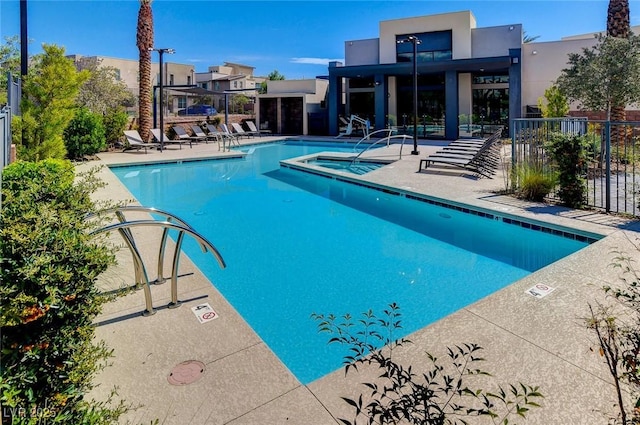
(198, 110)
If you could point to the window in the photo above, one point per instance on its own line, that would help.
(204, 85)
(188, 80)
(182, 102)
(433, 47)
(118, 76)
(217, 85)
(240, 84)
(235, 84)
(170, 79)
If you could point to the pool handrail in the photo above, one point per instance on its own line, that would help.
(141, 277)
(384, 139)
(368, 136)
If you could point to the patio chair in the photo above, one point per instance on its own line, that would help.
(198, 132)
(255, 130)
(166, 140)
(183, 135)
(240, 131)
(482, 160)
(134, 141)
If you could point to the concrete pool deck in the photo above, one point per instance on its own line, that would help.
(537, 341)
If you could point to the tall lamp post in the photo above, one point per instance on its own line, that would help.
(415, 41)
(161, 52)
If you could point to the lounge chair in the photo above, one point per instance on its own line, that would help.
(234, 137)
(240, 131)
(134, 141)
(482, 160)
(198, 132)
(255, 130)
(221, 138)
(183, 135)
(165, 139)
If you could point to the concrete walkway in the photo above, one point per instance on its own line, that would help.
(540, 342)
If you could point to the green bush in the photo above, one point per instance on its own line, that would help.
(534, 182)
(85, 134)
(115, 122)
(569, 152)
(48, 296)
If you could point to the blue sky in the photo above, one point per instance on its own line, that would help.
(296, 38)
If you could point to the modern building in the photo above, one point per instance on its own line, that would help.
(293, 106)
(465, 74)
(225, 80)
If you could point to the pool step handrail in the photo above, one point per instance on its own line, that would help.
(368, 136)
(383, 140)
(172, 222)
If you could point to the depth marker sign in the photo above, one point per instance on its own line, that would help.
(540, 290)
(204, 313)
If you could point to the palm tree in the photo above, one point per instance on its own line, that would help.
(144, 41)
(618, 26)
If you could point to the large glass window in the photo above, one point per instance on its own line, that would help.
(431, 104)
(434, 46)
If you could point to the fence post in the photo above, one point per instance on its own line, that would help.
(607, 158)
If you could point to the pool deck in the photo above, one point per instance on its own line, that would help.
(538, 341)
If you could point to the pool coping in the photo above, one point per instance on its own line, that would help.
(537, 341)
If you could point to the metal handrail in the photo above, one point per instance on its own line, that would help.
(165, 233)
(368, 136)
(172, 223)
(387, 139)
(204, 243)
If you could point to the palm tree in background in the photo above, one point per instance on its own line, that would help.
(144, 41)
(618, 26)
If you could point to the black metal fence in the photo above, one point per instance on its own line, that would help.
(612, 172)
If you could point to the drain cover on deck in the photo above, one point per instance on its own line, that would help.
(186, 372)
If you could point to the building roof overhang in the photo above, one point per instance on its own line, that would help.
(496, 63)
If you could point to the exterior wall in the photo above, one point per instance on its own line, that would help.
(495, 41)
(542, 64)
(362, 52)
(460, 22)
(311, 86)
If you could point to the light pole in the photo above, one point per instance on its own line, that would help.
(160, 85)
(415, 41)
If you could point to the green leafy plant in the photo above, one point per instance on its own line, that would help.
(115, 122)
(534, 181)
(569, 152)
(85, 134)
(49, 298)
(438, 395)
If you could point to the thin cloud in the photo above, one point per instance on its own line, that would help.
(314, 61)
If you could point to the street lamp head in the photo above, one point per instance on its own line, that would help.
(170, 51)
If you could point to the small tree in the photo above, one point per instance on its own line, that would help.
(605, 75)
(49, 104)
(85, 135)
(115, 121)
(9, 63)
(103, 91)
(434, 397)
(569, 152)
(273, 75)
(554, 104)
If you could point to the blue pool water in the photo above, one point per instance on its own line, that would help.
(297, 244)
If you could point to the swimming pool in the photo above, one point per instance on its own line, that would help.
(296, 243)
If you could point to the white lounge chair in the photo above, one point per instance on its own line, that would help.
(240, 131)
(165, 139)
(134, 141)
(233, 137)
(255, 130)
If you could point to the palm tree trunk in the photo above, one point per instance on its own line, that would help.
(618, 26)
(144, 41)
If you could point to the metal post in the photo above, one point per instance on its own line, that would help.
(161, 52)
(415, 42)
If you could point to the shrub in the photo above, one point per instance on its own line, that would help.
(534, 182)
(115, 122)
(440, 395)
(85, 134)
(48, 296)
(569, 152)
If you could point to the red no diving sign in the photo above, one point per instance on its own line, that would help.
(540, 290)
(204, 312)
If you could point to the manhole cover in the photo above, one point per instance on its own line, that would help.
(186, 372)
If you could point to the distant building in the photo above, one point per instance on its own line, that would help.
(293, 107)
(227, 80)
